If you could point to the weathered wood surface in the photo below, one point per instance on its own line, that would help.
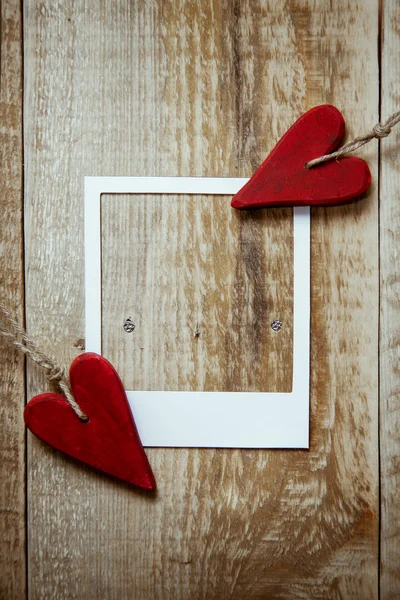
(390, 311)
(170, 262)
(12, 371)
(204, 89)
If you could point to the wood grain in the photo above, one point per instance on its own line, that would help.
(172, 261)
(194, 88)
(390, 311)
(12, 371)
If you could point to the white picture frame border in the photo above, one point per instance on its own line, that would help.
(208, 419)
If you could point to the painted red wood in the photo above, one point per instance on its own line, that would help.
(283, 180)
(109, 441)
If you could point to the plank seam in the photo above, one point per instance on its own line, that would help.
(23, 260)
(379, 49)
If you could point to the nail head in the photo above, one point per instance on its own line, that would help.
(129, 325)
(276, 325)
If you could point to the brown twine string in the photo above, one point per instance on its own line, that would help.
(381, 130)
(18, 336)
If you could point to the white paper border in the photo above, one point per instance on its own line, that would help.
(208, 419)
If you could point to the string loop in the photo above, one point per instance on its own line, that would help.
(56, 374)
(18, 336)
(379, 131)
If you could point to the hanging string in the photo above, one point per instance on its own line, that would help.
(10, 330)
(381, 130)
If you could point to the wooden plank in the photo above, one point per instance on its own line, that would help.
(198, 88)
(12, 370)
(232, 273)
(390, 310)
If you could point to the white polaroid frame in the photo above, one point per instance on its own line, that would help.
(208, 419)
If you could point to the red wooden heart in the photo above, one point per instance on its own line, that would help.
(109, 441)
(283, 180)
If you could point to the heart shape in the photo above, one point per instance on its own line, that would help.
(109, 441)
(283, 180)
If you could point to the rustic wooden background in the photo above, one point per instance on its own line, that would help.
(172, 262)
(201, 88)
